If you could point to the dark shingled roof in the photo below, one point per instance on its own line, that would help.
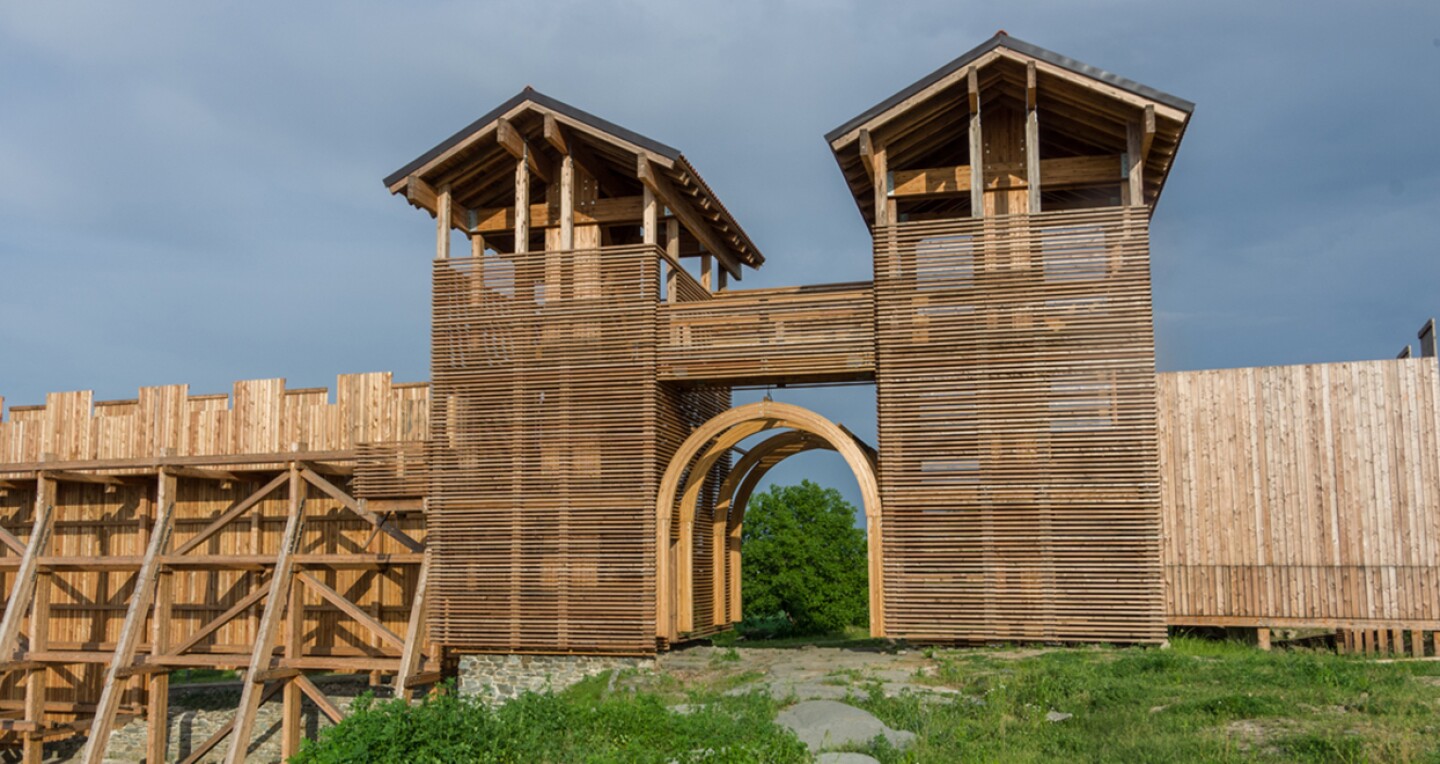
(1002, 40)
(540, 99)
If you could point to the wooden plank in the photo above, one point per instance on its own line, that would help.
(245, 604)
(37, 682)
(137, 612)
(443, 211)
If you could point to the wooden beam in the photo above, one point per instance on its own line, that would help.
(33, 748)
(214, 625)
(358, 507)
(1032, 141)
(442, 224)
(1426, 335)
(654, 178)
(415, 634)
(196, 473)
(66, 476)
(157, 734)
(649, 217)
(351, 609)
(228, 516)
(1148, 136)
(199, 751)
(318, 698)
(883, 184)
(11, 542)
(625, 209)
(867, 154)
(1135, 188)
(515, 143)
(567, 203)
(522, 207)
(1064, 172)
(129, 640)
(269, 630)
(556, 136)
(977, 148)
(22, 592)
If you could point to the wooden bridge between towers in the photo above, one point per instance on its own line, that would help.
(573, 478)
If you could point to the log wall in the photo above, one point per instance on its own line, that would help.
(1303, 495)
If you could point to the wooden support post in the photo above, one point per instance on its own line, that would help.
(291, 723)
(414, 636)
(522, 206)
(1135, 166)
(280, 583)
(157, 738)
(977, 149)
(707, 273)
(1427, 339)
(567, 203)
(1417, 643)
(672, 248)
(129, 640)
(650, 220)
(36, 682)
(1262, 638)
(22, 593)
(880, 165)
(442, 224)
(720, 283)
(1032, 140)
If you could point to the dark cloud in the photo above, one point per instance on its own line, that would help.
(192, 191)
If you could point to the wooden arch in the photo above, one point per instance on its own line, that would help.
(674, 605)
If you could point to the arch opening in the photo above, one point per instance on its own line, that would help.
(680, 491)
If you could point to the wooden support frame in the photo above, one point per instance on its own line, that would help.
(653, 177)
(135, 616)
(270, 620)
(977, 147)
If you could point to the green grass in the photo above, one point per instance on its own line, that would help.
(1205, 701)
(1199, 701)
(584, 724)
(202, 676)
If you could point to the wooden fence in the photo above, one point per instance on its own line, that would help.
(1302, 495)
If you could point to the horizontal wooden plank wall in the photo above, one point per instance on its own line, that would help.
(550, 433)
(820, 333)
(1016, 392)
(1303, 495)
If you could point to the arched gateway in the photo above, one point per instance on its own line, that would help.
(685, 478)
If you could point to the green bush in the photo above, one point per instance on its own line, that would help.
(577, 726)
(805, 565)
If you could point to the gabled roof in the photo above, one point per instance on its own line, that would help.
(474, 155)
(1003, 40)
(1084, 112)
(534, 96)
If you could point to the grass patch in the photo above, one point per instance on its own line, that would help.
(1199, 701)
(202, 676)
(585, 724)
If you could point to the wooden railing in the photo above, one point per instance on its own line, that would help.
(820, 333)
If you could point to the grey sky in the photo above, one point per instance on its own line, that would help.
(192, 190)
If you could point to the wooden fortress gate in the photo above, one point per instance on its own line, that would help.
(569, 481)
(582, 495)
